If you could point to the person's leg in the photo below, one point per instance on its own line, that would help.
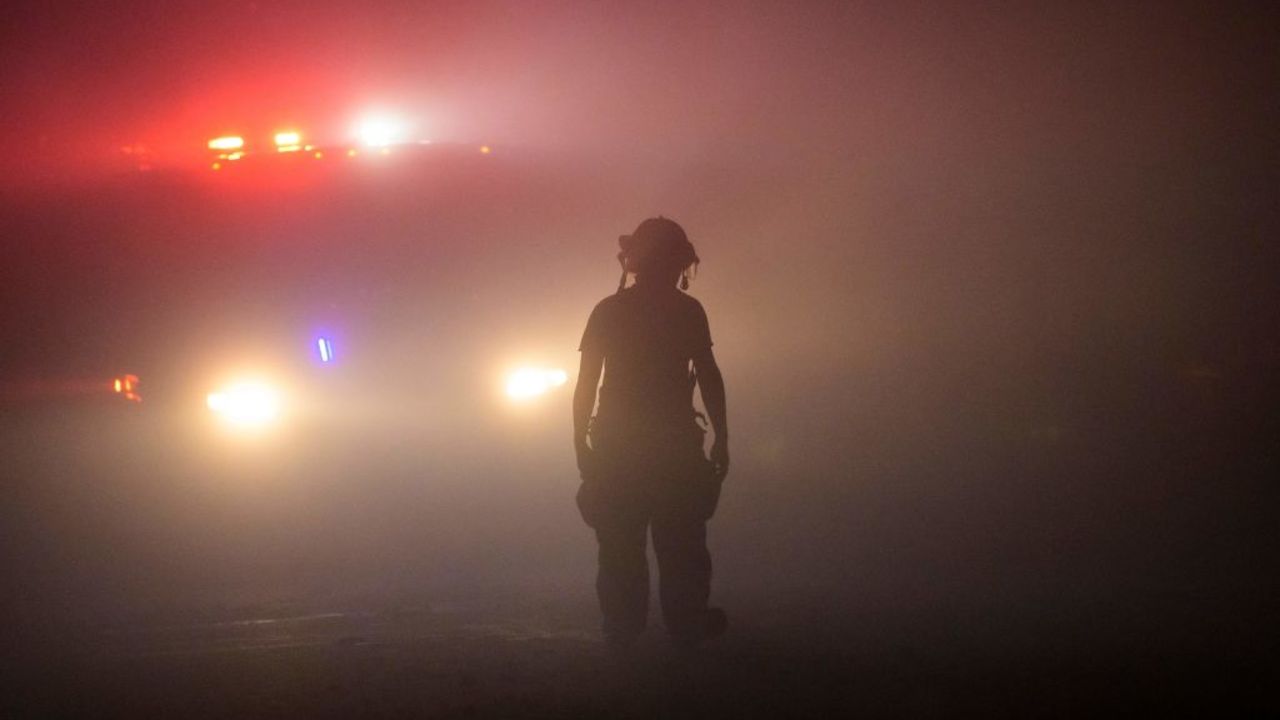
(684, 566)
(622, 582)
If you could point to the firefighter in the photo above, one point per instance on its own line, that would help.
(641, 456)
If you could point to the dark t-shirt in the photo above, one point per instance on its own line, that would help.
(648, 336)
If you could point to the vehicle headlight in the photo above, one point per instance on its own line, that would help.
(246, 404)
(526, 383)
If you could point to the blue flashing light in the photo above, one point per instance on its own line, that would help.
(326, 349)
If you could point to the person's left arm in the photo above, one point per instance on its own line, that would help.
(713, 398)
(584, 402)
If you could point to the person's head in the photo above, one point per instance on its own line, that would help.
(659, 252)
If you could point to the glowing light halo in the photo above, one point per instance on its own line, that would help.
(246, 404)
(525, 383)
(379, 130)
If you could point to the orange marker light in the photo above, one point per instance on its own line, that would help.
(227, 142)
(288, 141)
(485, 150)
(127, 386)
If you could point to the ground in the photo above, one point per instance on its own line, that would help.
(541, 657)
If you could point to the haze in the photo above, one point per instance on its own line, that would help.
(993, 289)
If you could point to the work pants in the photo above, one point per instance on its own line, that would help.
(684, 567)
(665, 489)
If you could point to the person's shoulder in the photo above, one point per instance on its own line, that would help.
(691, 303)
(606, 309)
(607, 302)
(690, 300)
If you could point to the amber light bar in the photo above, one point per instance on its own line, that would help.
(226, 142)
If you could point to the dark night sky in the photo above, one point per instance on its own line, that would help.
(1035, 143)
(916, 82)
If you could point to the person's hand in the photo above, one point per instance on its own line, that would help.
(720, 458)
(587, 461)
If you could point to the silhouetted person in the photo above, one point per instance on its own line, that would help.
(641, 456)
